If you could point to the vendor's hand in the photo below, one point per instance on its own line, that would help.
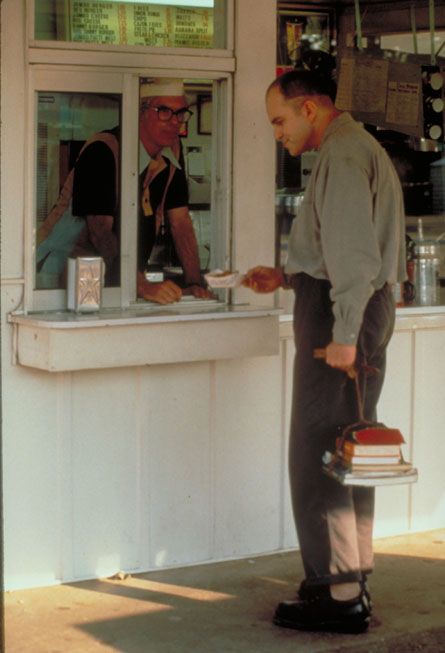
(263, 279)
(165, 292)
(342, 357)
(198, 291)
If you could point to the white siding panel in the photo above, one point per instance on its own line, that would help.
(429, 440)
(31, 463)
(104, 452)
(248, 464)
(175, 417)
(394, 409)
(289, 532)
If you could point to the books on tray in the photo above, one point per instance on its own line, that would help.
(369, 456)
(371, 478)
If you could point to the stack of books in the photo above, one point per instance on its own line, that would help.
(370, 456)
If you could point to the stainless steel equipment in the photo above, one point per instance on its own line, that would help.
(427, 268)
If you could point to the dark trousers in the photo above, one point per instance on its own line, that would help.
(334, 523)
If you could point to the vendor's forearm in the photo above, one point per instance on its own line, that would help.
(103, 237)
(186, 244)
(188, 255)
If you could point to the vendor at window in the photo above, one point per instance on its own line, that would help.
(85, 218)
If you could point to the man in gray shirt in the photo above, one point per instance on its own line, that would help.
(346, 249)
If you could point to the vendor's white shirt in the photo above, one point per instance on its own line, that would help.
(145, 158)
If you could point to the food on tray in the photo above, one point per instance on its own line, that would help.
(222, 274)
(223, 278)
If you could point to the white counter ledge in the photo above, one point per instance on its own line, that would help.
(420, 317)
(59, 341)
(408, 318)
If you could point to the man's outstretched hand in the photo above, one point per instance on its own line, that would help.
(263, 279)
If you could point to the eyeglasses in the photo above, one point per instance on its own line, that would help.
(165, 114)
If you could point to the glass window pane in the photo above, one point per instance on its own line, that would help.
(174, 224)
(77, 183)
(172, 23)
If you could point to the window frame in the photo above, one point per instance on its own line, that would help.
(126, 84)
(117, 71)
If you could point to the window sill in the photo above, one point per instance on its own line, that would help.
(63, 341)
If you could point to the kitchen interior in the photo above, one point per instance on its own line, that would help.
(318, 36)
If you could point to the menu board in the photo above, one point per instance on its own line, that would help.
(383, 89)
(403, 103)
(362, 84)
(123, 23)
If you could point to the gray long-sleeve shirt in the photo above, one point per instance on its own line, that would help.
(350, 228)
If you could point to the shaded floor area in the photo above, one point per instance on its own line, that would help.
(227, 607)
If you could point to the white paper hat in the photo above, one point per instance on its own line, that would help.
(162, 86)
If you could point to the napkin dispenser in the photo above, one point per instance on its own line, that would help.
(85, 283)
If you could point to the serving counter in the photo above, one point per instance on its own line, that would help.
(61, 341)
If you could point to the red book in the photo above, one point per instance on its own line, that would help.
(377, 435)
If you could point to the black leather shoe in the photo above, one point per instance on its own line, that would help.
(365, 590)
(312, 592)
(325, 614)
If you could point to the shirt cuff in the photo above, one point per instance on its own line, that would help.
(344, 334)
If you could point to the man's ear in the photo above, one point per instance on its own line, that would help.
(309, 110)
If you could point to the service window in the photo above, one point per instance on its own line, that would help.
(169, 24)
(91, 197)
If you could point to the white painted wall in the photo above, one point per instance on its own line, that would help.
(147, 467)
(166, 465)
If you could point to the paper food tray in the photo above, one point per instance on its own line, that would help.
(223, 279)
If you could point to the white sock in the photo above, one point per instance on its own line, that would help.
(345, 591)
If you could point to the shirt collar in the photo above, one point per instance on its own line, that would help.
(343, 119)
(145, 158)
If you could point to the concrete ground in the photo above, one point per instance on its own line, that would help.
(227, 608)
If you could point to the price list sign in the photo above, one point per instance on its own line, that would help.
(122, 23)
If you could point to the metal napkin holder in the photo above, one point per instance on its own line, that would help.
(84, 283)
